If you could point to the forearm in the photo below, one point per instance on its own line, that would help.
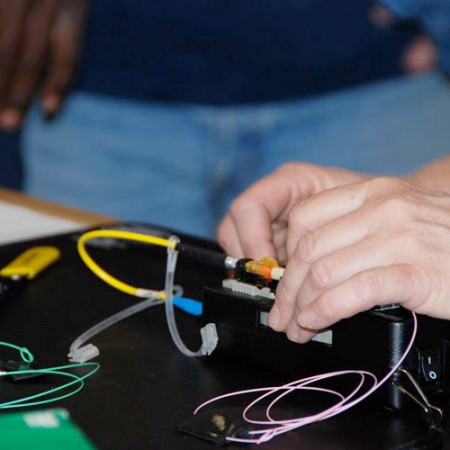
(434, 176)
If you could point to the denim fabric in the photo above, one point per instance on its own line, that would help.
(180, 166)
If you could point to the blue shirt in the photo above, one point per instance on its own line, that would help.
(235, 51)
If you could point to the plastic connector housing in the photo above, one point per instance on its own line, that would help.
(262, 267)
(209, 338)
(83, 354)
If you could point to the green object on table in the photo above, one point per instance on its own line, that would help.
(50, 429)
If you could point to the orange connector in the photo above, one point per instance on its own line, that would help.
(262, 267)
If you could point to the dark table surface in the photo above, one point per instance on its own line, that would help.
(145, 387)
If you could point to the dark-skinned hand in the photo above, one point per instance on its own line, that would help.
(40, 48)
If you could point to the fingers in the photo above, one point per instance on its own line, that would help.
(400, 283)
(26, 61)
(40, 41)
(228, 238)
(420, 56)
(256, 224)
(247, 229)
(24, 82)
(321, 209)
(12, 17)
(381, 16)
(316, 262)
(378, 286)
(368, 242)
(358, 245)
(317, 227)
(337, 267)
(64, 54)
(257, 219)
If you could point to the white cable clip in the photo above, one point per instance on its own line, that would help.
(83, 354)
(209, 338)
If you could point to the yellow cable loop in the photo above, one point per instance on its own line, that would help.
(105, 276)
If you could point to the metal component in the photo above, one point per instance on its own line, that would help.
(423, 401)
(230, 262)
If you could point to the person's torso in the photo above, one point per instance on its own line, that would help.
(235, 51)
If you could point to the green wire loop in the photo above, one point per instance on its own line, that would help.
(25, 354)
(76, 380)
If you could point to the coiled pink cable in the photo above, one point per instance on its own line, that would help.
(272, 427)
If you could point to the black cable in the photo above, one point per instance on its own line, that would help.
(207, 256)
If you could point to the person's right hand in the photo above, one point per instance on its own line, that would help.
(256, 223)
(374, 242)
(40, 45)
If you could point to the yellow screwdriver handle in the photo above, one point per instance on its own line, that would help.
(31, 262)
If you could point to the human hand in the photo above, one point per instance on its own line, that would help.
(40, 45)
(364, 244)
(420, 55)
(256, 224)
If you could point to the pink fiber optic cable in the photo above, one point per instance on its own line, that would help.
(275, 427)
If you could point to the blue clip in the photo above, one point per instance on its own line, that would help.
(192, 307)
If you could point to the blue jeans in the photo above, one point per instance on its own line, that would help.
(179, 166)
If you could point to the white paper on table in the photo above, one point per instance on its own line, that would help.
(18, 224)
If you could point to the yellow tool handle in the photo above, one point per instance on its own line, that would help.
(31, 262)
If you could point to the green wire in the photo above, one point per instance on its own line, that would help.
(28, 357)
(25, 354)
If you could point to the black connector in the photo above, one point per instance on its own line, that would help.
(207, 256)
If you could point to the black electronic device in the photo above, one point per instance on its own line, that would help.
(372, 340)
(53, 309)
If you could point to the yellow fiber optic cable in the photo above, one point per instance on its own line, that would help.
(108, 278)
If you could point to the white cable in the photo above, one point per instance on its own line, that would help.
(208, 333)
(81, 353)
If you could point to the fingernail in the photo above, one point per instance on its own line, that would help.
(10, 119)
(50, 106)
(307, 318)
(293, 334)
(274, 317)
